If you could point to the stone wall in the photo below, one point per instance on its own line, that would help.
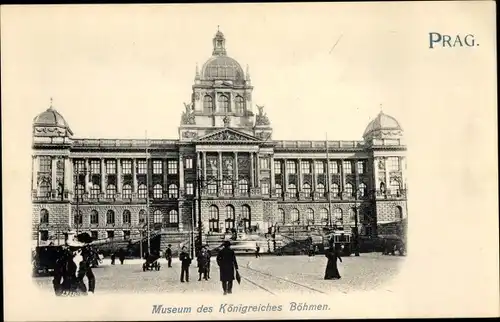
(59, 218)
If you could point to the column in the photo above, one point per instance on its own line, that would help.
(273, 179)
(376, 183)
(257, 167)
(134, 176)
(356, 175)
(299, 171)
(386, 175)
(34, 178)
(54, 173)
(118, 176)
(220, 174)
(68, 175)
(285, 174)
(87, 176)
(181, 173)
(342, 176)
(313, 170)
(204, 155)
(236, 169)
(103, 176)
(402, 162)
(252, 179)
(165, 172)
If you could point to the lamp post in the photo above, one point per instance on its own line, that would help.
(78, 193)
(356, 232)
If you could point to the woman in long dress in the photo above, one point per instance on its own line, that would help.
(332, 272)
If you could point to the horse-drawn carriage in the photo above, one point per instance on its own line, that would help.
(151, 263)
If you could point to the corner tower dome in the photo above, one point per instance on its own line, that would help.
(51, 122)
(220, 66)
(383, 126)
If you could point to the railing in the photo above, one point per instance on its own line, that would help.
(319, 144)
(121, 143)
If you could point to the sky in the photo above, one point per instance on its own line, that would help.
(117, 71)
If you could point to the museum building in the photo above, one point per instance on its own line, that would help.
(226, 159)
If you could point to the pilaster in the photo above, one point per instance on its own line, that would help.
(118, 175)
(34, 178)
(103, 176)
(134, 176)
(251, 170)
(54, 173)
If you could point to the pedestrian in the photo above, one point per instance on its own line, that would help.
(113, 257)
(332, 271)
(185, 262)
(202, 264)
(257, 250)
(168, 255)
(209, 256)
(121, 255)
(226, 259)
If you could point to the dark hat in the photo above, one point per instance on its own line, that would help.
(169, 245)
(226, 243)
(84, 238)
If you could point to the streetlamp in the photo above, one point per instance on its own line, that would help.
(356, 232)
(78, 193)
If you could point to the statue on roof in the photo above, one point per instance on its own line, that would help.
(187, 115)
(261, 118)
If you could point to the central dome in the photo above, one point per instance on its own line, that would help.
(223, 68)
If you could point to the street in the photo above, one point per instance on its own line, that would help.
(273, 275)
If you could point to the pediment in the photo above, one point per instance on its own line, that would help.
(228, 135)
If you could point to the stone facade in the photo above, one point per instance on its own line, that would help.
(225, 156)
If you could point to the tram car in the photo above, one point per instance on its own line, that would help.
(342, 240)
(151, 263)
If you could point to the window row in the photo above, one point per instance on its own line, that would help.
(142, 191)
(306, 167)
(231, 221)
(228, 187)
(158, 217)
(320, 188)
(126, 166)
(223, 104)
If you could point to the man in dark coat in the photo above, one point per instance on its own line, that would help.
(209, 256)
(185, 262)
(226, 259)
(168, 255)
(121, 255)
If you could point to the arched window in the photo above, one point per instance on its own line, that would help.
(227, 187)
(44, 216)
(310, 216)
(320, 188)
(230, 217)
(110, 217)
(142, 191)
(394, 186)
(323, 215)
(292, 190)
(157, 216)
(110, 191)
(348, 189)
(337, 214)
(142, 216)
(335, 190)
(94, 192)
(246, 216)
(281, 216)
(279, 190)
(294, 216)
(224, 104)
(243, 186)
(157, 191)
(173, 217)
(208, 104)
(173, 191)
(306, 188)
(362, 189)
(126, 217)
(94, 217)
(44, 189)
(80, 190)
(398, 212)
(78, 218)
(213, 219)
(127, 191)
(239, 103)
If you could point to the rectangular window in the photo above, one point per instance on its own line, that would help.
(79, 167)
(265, 188)
(157, 167)
(111, 234)
(127, 167)
(334, 167)
(45, 164)
(172, 167)
(189, 188)
(95, 166)
(212, 188)
(126, 234)
(111, 167)
(347, 167)
(265, 163)
(142, 167)
(393, 163)
(189, 163)
(319, 167)
(44, 235)
(305, 166)
(291, 167)
(361, 167)
(277, 167)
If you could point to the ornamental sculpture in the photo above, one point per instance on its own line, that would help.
(187, 115)
(261, 118)
(189, 134)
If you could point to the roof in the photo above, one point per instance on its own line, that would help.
(51, 117)
(382, 122)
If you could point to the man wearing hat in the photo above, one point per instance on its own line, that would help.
(168, 255)
(226, 259)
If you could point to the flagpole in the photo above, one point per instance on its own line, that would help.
(147, 195)
(328, 182)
